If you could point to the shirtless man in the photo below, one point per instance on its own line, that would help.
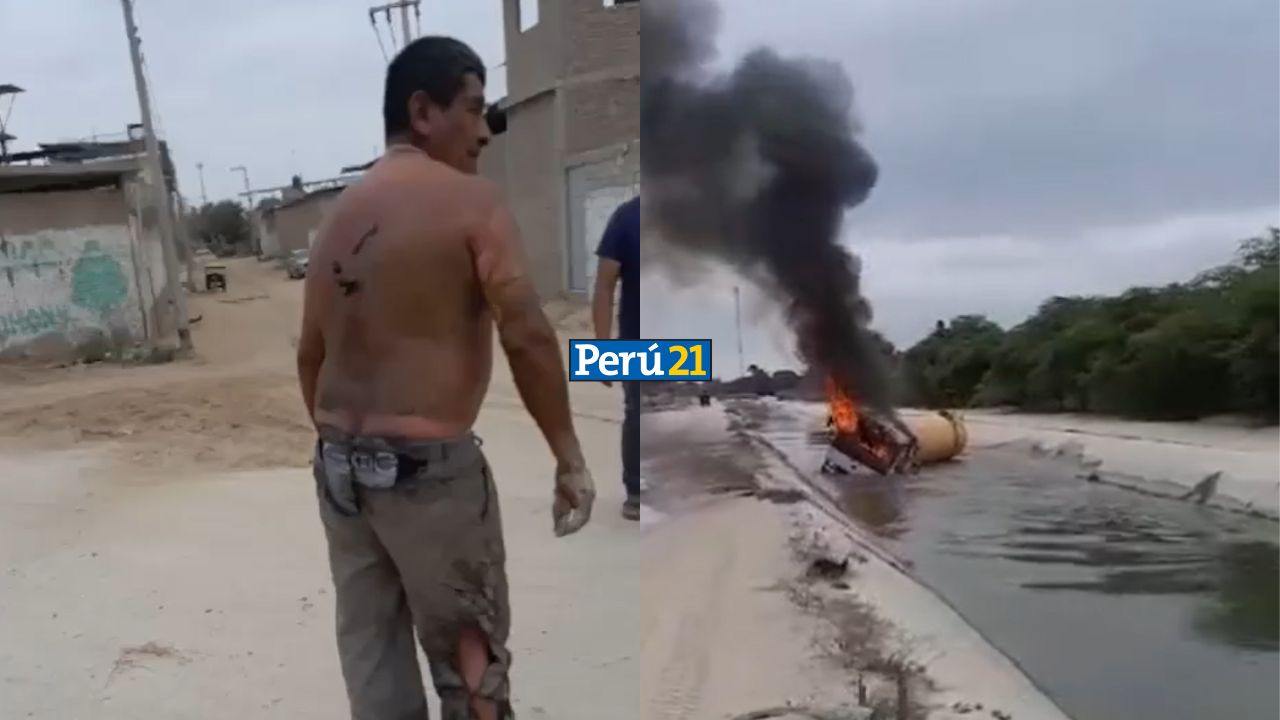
(411, 270)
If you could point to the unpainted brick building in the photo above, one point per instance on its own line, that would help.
(571, 151)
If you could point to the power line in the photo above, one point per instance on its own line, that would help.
(407, 25)
(374, 24)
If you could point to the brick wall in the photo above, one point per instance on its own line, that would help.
(537, 49)
(573, 89)
(601, 114)
(600, 38)
(493, 161)
(296, 224)
(534, 190)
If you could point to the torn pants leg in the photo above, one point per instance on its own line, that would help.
(443, 529)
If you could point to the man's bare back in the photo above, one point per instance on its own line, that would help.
(407, 331)
(413, 270)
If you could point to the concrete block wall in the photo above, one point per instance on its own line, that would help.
(600, 39)
(296, 224)
(493, 161)
(601, 114)
(538, 49)
(148, 255)
(534, 193)
(67, 279)
(573, 135)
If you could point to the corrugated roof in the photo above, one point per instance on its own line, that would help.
(309, 196)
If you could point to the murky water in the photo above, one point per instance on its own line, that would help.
(1120, 606)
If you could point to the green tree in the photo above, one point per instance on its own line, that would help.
(944, 369)
(222, 225)
(1185, 350)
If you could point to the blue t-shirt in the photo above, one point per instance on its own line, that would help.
(621, 242)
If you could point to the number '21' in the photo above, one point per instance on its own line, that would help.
(679, 369)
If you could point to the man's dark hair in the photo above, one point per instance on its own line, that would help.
(434, 64)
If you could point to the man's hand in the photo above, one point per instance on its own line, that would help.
(575, 494)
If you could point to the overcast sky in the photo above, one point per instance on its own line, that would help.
(280, 86)
(1027, 149)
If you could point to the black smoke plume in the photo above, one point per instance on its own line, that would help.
(755, 168)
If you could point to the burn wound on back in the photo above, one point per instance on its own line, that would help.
(364, 238)
(349, 285)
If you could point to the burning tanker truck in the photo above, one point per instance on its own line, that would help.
(754, 169)
(887, 444)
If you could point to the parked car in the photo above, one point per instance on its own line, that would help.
(295, 264)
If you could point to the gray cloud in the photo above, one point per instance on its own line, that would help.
(1028, 149)
(282, 86)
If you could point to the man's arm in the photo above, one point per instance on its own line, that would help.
(530, 342)
(607, 274)
(608, 270)
(310, 345)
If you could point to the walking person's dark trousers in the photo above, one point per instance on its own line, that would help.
(631, 440)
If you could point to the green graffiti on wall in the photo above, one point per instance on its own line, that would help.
(98, 283)
(34, 321)
(98, 286)
(27, 257)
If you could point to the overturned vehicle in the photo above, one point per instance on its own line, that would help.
(884, 442)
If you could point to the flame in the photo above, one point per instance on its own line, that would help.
(844, 413)
(866, 439)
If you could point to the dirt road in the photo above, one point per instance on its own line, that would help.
(160, 553)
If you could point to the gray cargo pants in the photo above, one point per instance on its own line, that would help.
(422, 549)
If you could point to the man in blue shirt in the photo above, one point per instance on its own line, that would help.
(619, 255)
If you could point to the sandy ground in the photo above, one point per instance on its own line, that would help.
(161, 554)
(735, 624)
(721, 637)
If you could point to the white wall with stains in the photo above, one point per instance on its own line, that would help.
(73, 285)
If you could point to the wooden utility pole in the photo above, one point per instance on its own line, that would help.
(155, 168)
